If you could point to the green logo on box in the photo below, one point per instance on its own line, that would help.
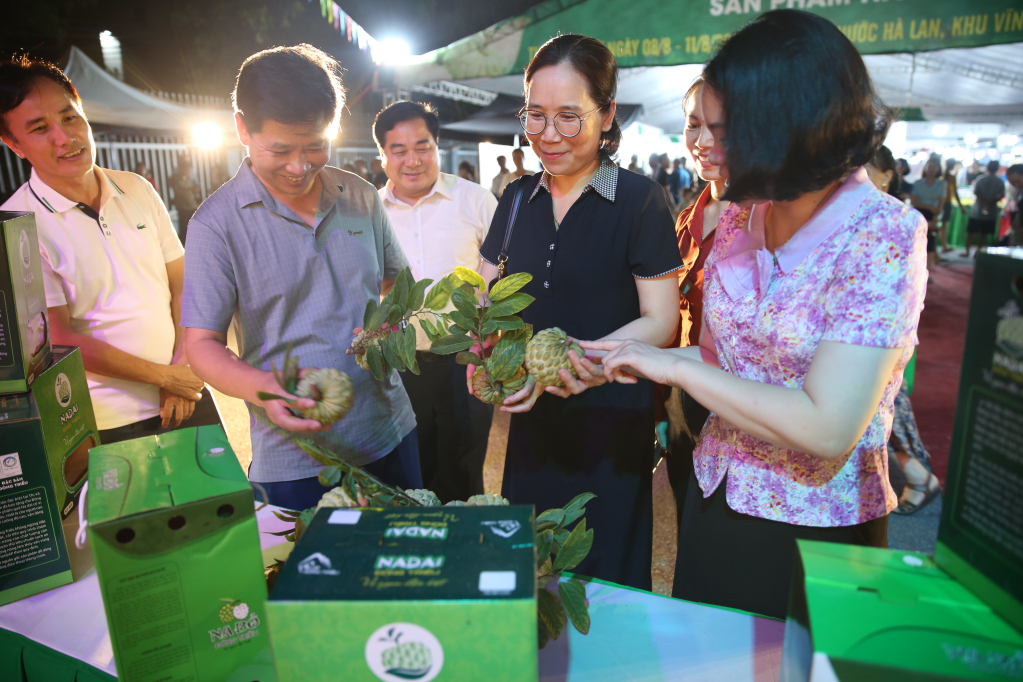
(404, 651)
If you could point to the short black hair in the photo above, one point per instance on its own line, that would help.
(290, 85)
(903, 165)
(782, 142)
(993, 166)
(1015, 169)
(18, 76)
(399, 112)
(519, 150)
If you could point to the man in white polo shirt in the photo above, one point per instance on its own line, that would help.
(441, 221)
(112, 264)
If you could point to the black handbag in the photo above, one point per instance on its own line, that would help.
(502, 258)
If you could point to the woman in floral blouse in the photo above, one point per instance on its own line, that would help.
(813, 293)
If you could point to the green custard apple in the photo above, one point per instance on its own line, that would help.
(547, 352)
(484, 389)
(333, 392)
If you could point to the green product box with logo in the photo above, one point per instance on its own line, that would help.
(397, 594)
(980, 540)
(861, 614)
(173, 531)
(24, 328)
(45, 436)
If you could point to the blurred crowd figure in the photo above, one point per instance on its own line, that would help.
(936, 195)
(681, 186)
(505, 176)
(187, 194)
(467, 171)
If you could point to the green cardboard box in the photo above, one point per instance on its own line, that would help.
(409, 594)
(173, 532)
(45, 436)
(24, 327)
(867, 614)
(980, 540)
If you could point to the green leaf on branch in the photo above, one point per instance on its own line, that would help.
(401, 288)
(263, 395)
(509, 285)
(506, 359)
(470, 277)
(555, 516)
(375, 360)
(511, 322)
(414, 367)
(392, 356)
(542, 635)
(574, 549)
(330, 476)
(577, 507)
(509, 306)
(428, 328)
(408, 337)
(437, 298)
(466, 323)
(560, 535)
(466, 304)
(544, 543)
(468, 358)
(321, 455)
(523, 333)
(379, 316)
(573, 598)
(371, 307)
(551, 613)
(417, 294)
(454, 343)
(395, 315)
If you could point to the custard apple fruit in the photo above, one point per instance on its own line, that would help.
(547, 352)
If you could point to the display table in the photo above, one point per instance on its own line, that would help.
(61, 636)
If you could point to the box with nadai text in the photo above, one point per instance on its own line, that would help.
(45, 436)
(173, 532)
(409, 593)
(24, 325)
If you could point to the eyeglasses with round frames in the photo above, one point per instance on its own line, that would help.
(567, 123)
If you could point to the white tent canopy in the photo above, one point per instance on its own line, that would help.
(972, 85)
(108, 101)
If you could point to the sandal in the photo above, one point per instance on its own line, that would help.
(906, 508)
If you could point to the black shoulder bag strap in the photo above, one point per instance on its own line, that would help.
(502, 258)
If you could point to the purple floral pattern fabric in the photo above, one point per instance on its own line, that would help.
(854, 274)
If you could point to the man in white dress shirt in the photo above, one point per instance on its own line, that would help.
(112, 264)
(441, 221)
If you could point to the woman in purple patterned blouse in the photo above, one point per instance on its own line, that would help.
(813, 293)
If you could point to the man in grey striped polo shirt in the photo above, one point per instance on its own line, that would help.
(292, 250)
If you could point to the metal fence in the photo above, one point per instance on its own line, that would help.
(212, 167)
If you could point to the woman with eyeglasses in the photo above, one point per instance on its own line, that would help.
(813, 294)
(599, 243)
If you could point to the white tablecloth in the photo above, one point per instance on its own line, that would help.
(635, 635)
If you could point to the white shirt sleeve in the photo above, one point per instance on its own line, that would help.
(53, 284)
(170, 245)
